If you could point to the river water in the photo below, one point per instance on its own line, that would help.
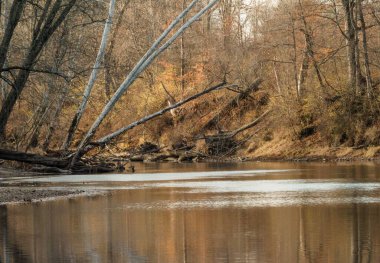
(248, 212)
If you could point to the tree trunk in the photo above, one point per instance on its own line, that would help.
(92, 79)
(108, 78)
(295, 58)
(33, 158)
(90, 167)
(309, 52)
(182, 55)
(121, 131)
(40, 118)
(4, 13)
(11, 99)
(54, 120)
(9, 24)
(14, 17)
(171, 101)
(51, 22)
(277, 79)
(144, 62)
(108, 138)
(227, 23)
(359, 76)
(232, 104)
(249, 125)
(303, 73)
(365, 49)
(350, 25)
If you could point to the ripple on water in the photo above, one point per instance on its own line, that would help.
(220, 189)
(264, 193)
(249, 203)
(144, 176)
(269, 186)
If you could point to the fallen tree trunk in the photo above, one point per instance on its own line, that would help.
(121, 131)
(56, 163)
(33, 158)
(250, 125)
(81, 167)
(232, 104)
(106, 139)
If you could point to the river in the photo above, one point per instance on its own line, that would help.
(247, 212)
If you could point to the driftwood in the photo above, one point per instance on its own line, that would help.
(33, 159)
(224, 142)
(162, 157)
(219, 144)
(148, 147)
(232, 104)
(50, 170)
(58, 163)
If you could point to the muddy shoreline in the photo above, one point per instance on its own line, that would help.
(14, 194)
(17, 193)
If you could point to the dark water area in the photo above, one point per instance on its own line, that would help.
(249, 212)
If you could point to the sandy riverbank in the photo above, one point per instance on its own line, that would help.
(13, 193)
(16, 194)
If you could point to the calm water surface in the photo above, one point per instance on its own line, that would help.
(249, 212)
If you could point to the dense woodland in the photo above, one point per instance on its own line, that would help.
(77, 74)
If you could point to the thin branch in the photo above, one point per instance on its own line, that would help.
(46, 71)
(144, 62)
(106, 139)
(121, 131)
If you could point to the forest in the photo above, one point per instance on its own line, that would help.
(188, 80)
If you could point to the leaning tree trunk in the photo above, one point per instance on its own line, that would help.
(234, 103)
(144, 62)
(92, 79)
(11, 99)
(108, 138)
(9, 22)
(14, 17)
(51, 21)
(108, 78)
(4, 13)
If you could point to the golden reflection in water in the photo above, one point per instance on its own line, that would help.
(101, 229)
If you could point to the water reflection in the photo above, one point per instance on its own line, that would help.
(181, 222)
